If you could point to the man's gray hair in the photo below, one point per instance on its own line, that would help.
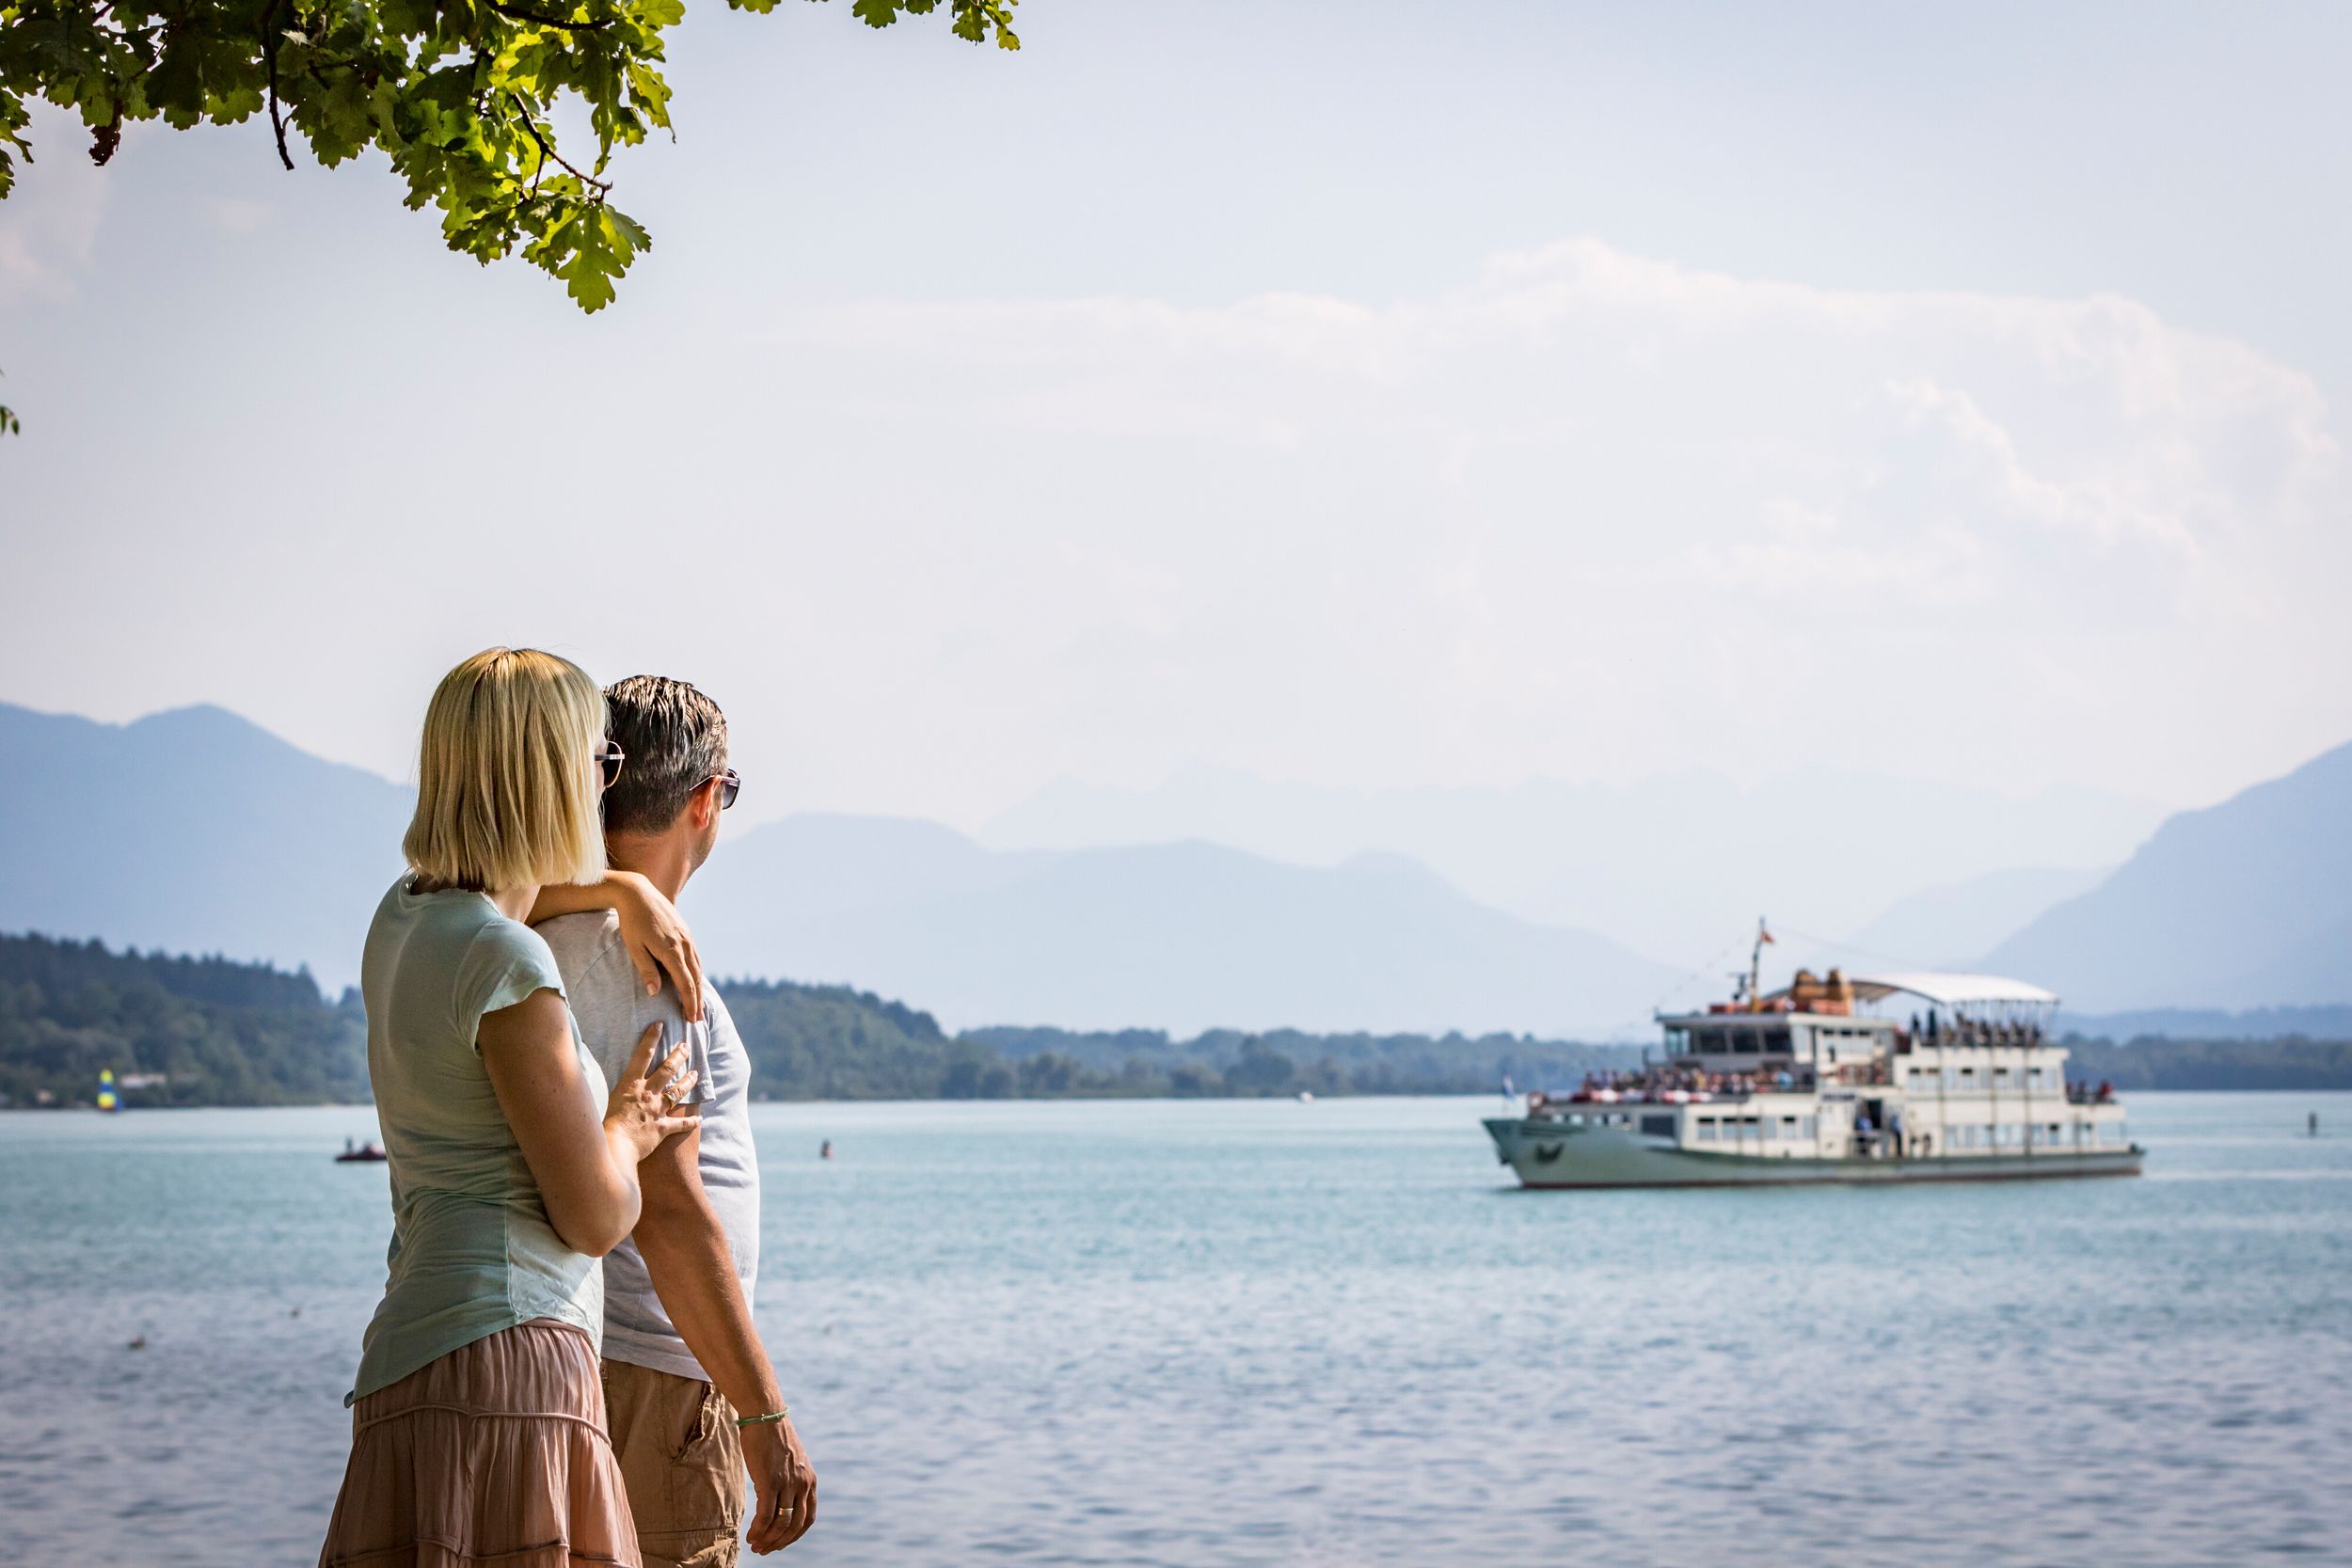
(675, 742)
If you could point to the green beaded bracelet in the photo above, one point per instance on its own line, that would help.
(776, 1415)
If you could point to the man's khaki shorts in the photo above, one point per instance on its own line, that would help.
(683, 1462)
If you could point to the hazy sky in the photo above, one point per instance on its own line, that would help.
(1356, 393)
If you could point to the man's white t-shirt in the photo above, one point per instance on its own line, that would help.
(609, 1004)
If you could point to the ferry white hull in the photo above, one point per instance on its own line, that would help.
(1547, 1154)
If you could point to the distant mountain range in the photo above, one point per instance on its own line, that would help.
(1674, 866)
(1951, 925)
(1179, 937)
(192, 832)
(197, 831)
(2246, 904)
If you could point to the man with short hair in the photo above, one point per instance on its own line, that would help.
(689, 1394)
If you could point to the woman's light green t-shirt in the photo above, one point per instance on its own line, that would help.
(473, 1252)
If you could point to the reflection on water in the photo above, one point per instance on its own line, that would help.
(1207, 1333)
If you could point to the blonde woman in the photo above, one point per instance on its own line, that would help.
(478, 1431)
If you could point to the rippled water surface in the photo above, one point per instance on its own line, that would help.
(1206, 1333)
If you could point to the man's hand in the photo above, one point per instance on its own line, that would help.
(784, 1483)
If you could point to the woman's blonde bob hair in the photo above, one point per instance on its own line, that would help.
(507, 781)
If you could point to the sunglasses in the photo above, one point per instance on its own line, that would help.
(608, 758)
(730, 786)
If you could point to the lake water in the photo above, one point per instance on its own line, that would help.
(1213, 1331)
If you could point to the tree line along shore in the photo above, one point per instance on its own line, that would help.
(209, 1031)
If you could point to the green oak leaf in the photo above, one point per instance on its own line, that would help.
(460, 97)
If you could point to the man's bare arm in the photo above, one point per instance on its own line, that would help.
(693, 1270)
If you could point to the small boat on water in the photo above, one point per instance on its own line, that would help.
(361, 1154)
(1809, 1086)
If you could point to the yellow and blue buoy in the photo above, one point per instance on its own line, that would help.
(107, 1098)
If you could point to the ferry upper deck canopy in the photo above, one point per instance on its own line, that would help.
(1985, 997)
(1950, 991)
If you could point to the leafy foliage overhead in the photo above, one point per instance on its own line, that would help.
(459, 94)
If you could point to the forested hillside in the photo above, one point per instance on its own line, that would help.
(180, 1031)
(2290, 1063)
(213, 1032)
(210, 1032)
(175, 1031)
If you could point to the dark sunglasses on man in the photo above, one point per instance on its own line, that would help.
(730, 786)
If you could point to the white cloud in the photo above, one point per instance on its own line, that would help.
(1598, 512)
(1590, 515)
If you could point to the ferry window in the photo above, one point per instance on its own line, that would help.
(1677, 1041)
(1707, 1130)
(1806, 1127)
(1743, 1042)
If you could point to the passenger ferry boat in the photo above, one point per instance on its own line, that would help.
(1810, 1085)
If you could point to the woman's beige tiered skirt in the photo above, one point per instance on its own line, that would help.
(494, 1455)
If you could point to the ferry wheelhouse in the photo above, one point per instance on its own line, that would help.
(1818, 1083)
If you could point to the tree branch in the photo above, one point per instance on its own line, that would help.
(277, 120)
(547, 154)
(269, 51)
